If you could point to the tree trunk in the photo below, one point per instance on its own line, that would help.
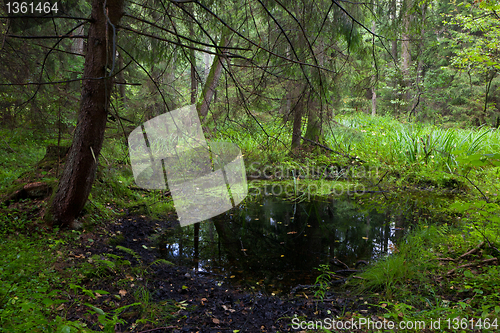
(194, 82)
(394, 52)
(77, 45)
(121, 79)
(298, 111)
(80, 168)
(374, 78)
(213, 77)
(419, 73)
(314, 129)
(406, 54)
(374, 101)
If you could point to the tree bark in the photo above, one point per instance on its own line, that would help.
(298, 111)
(77, 45)
(394, 52)
(213, 77)
(80, 168)
(419, 73)
(374, 101)
(121, 79)
(314, 129)
(374, 78)
(406, 54)
(194, 82)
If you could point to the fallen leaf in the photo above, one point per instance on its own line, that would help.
(215, 320)
(228, 308)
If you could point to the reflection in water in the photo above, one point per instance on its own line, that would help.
(277, 243)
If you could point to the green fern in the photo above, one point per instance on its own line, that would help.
(129, 251)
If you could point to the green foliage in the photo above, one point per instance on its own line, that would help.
(21, 149)
(480, 219)
(478, 36)
(382, 140)
(323, 281)
(412, 260)
(129, 251)
(28, 297)
(109, 320)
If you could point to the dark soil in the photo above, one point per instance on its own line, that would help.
(209, 305)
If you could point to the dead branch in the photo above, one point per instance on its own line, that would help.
(476, 264)
(473, 251)
(445, 259)
(47, 37)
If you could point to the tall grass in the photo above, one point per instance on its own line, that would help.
(388, 141)
(380, 141)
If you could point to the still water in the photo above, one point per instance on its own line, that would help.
(275, 243)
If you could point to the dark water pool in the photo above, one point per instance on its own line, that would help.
(274, 243)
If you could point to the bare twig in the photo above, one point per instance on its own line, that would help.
(176, 34)
(381, 178)
(445, 259)
(158, 328)
(470, 181)
(8, 145)
(47, 37)
(476, 264)
(46, 17)
(329, 149)
(473, 251)
(231, 55)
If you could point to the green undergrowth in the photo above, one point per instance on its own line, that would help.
(418, 282)
(438, 273)
(445, 269)
(30, 291)
(115, 191)
(451, 175)
(366, 148)
(45, 285)
(21, 149)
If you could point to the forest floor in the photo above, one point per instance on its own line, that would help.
(107, 275)
(204, 304)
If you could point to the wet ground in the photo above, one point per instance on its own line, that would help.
(212, 304)
(251, 269)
